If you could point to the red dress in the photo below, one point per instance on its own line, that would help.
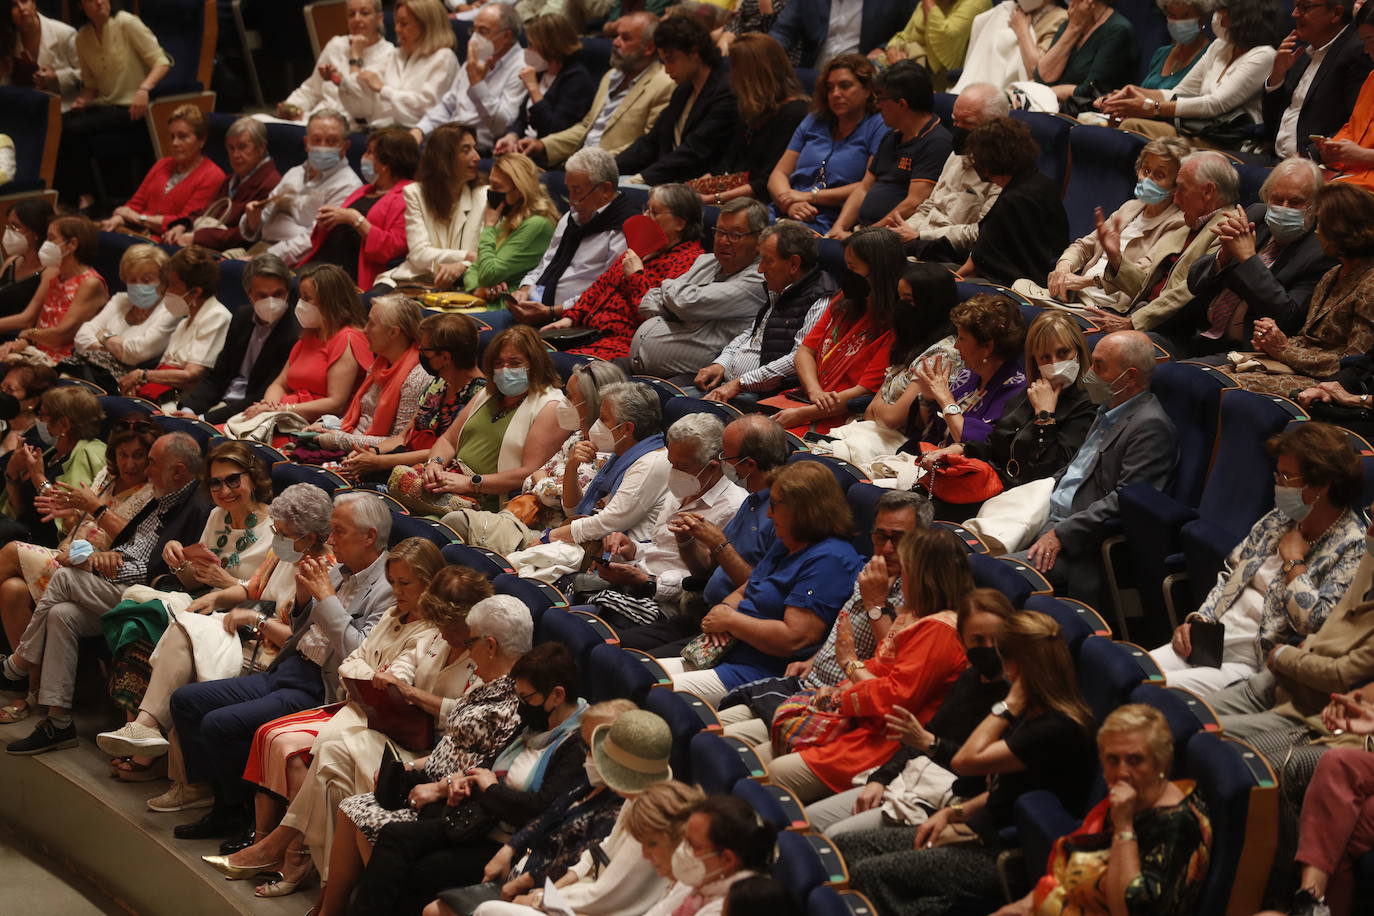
(191, 194)
(915, 669)
(61, 294)
(307, 367)
(611, 303)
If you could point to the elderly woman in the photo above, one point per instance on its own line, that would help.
(790, 599)
(516, 227)
(69, 423)
(363, 42)
(26, 228)
(37, 51)
(610, 306)
(1220, 97)
(1161, 838)
(410, 81)
(177, 185)
(831, 148)
(1006, 43)
(560, 86)
(1186, 21)
(69, 295)
(252, 176)
(1094, 50)
(936, 37)
(131, 328)
(1280, 583)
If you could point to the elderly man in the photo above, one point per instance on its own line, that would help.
(335, 608)
(286, 219)
(945, 225)
(647, 585)
(77, 596)
(629, 100)
(586, 239)
(1206, 190)
(759, 360)
(1131, 441)
(1316, 77)
(688, 319)
(1267, 266)
(487, 93)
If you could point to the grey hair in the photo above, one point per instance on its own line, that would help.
(756, 212)
(593, 378)
(637, 404)
(1136, 351)
(402, 312)
(255, 129)
(901, 500)
(685, 204)
(510, 19)
(594, 162)
(763, 441)
(505, 619)
(794, 240)
(650, 27)
(995, 102)
(1204, 7)
(1302, 164)
(1216, 170)
(703, 431)
(184, 448)
(332, 114)
(367, 510)
(267, 265)
(304, 507)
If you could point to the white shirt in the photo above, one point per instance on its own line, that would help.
(588, 263)
(490, 106)
(410, 88)
(142, 342)
(634, 505)
(317, 92)
(57, 51)
(297, 199)
(198, 341)
(1216, 84)
(660, 556)
(1286, 140)
(846, 16)
(741, 356)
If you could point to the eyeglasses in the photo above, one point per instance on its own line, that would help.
(733, 236)
(883, 536)
(231, 481)
(1284, 480)
(530, 701)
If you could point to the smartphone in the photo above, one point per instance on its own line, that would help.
(1318, 138)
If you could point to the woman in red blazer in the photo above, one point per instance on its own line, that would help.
(176, 185)
(368, 233)
(252, 176)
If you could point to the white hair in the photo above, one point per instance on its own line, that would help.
(505, 619)
(1215, 169)
(306, 508)
(594, 162)
(995, 103)
(1294, 163)
(703, 430)
(367, 510)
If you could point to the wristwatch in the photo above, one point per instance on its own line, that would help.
(876, 611)
(476, 483)
(851, 666)
(1002, 711)
(953, 410)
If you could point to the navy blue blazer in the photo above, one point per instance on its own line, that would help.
(804, 24)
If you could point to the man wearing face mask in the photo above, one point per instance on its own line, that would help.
(325, 179)
(258, 342)
(1267, 266)
(1132, 440)
(488, 93)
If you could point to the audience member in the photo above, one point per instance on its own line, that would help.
(721, 828)
(1348, 151)
(1006, 42)
(363, 42)
(517, 224)
(38, 51)
(1186, 21)
(26, 229)
(252, 176)
(176, 185)
(69, 294)
(401, 88)
(558, 83)
(71, 455)
(131, 329)
(1318, 72)
(935, 38)
(1094, 51)
(819, 33)
(487, 93)
(25, 381)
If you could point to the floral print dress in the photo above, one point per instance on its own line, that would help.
(611, 303)
(61, 295)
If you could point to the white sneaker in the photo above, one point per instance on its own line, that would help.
(183, 797)
(133, 740)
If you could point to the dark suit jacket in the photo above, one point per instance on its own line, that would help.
(1024, 232)
(185, 522)
(1280, 292)
(569, 96)
(1330, 98)
(804, 24)
(210, 390)
(705, 137)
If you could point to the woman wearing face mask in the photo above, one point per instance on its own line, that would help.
(516, 227)
(26, 227)
(130, 329)
(69, 294)
(69, 426)
(177, 185)
(560, 86)
(1188, 39)
(723, 841)
(1280, 583)
(26, 383)
(400, 89)
(189, 279)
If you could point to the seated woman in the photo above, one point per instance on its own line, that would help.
(1094, 52)
(1006, 43)
(315, 764)
(69, 295)
(561, 88)
(516, 227)
(1280, 583)
(26, 228)
(846, 354)
(448, 352)
(25, 382)
(1351, 151)
(69, 425)
(131, 329)
(326, 362)
(1161, 837)
(771, 104)
(1220, 97)
(723, 844)
(1185, 20)
(252, 176)
(936, 37)
(96, 513)
(443, 211)
(830, 149)
(411, 858)
(791, 598)
(367, 231)
(1340, 318)
(611, 304)
(177, 185)
(1038, 738)
(40, 52)
(500, 437)
(189, 281)
(364, 42)
(1149, 216)
(407, 83)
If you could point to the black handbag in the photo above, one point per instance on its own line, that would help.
(1226, 131)
(466, 822)
(1207, 637)
(394, 781)
(571, 338)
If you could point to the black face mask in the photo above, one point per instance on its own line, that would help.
(535, 718)
(986, 660)
(428, 366)
(495, 199)
(958, 137)
(854, 286)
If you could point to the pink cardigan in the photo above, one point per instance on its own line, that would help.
(385, 242)
(191, 195)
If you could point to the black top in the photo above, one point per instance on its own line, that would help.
(756, 150)
(1021, 451)
(564, 104)
(341, 245)
(15, 296)
(211, 388)
(896, 165)
(1024, 232)
(1059, 757)
(516, 807)
(660, 158)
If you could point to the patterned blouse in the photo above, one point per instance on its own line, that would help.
(556, 839)
(413, 390)
(61, 295)
(899, 377)
(611, 303)
(549, 488)
(438, 410)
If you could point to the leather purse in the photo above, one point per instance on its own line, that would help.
(394, 781)
(571, 338)
(1207, 638)
(387, 712)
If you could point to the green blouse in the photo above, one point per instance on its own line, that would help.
(509, 259)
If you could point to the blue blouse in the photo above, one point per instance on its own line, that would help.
(1156, 79)
(825, 162)
(819, 578)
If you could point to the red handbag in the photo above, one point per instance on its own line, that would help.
(959, 480)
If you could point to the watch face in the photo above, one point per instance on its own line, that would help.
(874, 613)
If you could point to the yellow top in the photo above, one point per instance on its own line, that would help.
(939, 40)
(117, 61)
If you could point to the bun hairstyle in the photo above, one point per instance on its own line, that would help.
(737, 827)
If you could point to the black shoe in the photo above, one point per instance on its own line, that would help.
(12, 684)
(216, 824)
(46, 737)
(237, 842)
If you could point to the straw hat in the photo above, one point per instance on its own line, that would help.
(632, 753)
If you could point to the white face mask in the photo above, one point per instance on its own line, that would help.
(177, 306)
(1289, 501)
(480, 47)
(50, 254)
(682, 485)
(1030, 6)
(568, 417)
(687, 868)
(270, 309)
(285, 549)
(535, 60)
(1065, 372)
(601, 437)
(15, 242)
(308, 314)
(594, 777)
(731, 473)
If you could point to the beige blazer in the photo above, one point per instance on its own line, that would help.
(433, 241)
(632, 120)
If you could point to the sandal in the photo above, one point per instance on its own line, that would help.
(130, 770)
(14, 712)
(281, 887)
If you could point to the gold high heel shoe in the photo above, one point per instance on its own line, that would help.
(238, 872)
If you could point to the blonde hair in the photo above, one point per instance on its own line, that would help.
(606, 713)
(136, 256)
(1140, 720)
(401, 312)
(194, 118)
(662, 810)
(1033, 642)
(434, 21)
(534, 200)
(1052, 326)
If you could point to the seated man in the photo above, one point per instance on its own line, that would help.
(688, 318)
(1132, 440)
(647, 586)
(820, 30)
(759, 361)
(945, 225)
(1267, 266)
(77, 596)
(487, 93)
(258, 341)
(629, 100)
(585, 240)
(1316, 78)
(325, 179)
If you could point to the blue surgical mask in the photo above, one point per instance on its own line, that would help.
(44, 433)
(323, 158)
(1148, 192)
(513, 382)
(368, 169)
(1184, 31)
(143, 295)
(1286, 223)
(1288, 500)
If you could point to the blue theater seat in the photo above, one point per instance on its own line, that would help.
(675, 409)
(775, 804)
(990, 572)
(404, 525)
(1108, 671)
(665, 389)
(718, 763)
(538, 596)
(683, 722)
(33, 120)
(286, 473)
(1103, 173)
(1051, 131)
(487, 562)
(827, 901)
(1076, 620)
(615, 673)
(1241, 792)
(199, 430)
(265, 453)
(572, 630)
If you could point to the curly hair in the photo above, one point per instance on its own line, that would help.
(451, 594)
(196, 267)
(992, 319)
(857, 64)
(1345, 218)
(241, 455)
(1325, 459)
(395, 148)
(77, 405)
(145, 434)
(1003, 146)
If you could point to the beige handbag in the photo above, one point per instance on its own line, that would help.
(213, 216)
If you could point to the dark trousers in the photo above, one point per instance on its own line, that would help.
(81, 134)
(664, 639)
(216, 720)
(412, 862)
